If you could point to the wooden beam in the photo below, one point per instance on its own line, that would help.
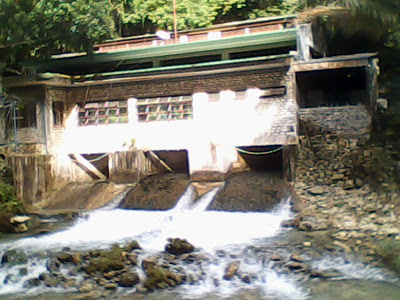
(318, 66)
(86, 165)
(161, 161)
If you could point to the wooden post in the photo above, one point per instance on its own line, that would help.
(87, 165)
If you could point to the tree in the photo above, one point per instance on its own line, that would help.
(39, 28)
(132, 16)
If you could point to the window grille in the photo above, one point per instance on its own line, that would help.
(103, 113)
(165, 108)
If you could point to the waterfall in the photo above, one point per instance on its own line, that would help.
(186, 200)
(206, 199)
(210, 231)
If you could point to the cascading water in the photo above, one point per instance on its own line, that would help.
(209, 230)
(221, 236)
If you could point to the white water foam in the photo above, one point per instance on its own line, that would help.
(352, 268)
(208, 230)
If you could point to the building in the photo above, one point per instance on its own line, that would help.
(214, 101)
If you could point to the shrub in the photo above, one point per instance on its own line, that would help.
(389, 251)
(8, 199)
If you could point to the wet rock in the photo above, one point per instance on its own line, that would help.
(292, 265)
(160, 278)
(64, 257)
(306, 226)
(53, 265)
(288, 223)
(178, 246)
(106, 261)
(89, 295)
(346, 248)
(110, 286)
(141, 289)
(86, 287)
(149, 262)
(132, 258)
(77, 258)
(132, 245)
(246, 278)
(221, 253)
(10, 278)
(231, 270)
(20, 228)
(315, 274)
(295, 257)
(32, 282)
(52, 281)
(275, 257)
(23, 272)
(19, 219)
(13, 258)
(128, 279)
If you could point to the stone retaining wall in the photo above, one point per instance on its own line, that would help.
(347, 162)
(343, 120)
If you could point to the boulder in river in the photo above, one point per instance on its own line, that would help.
(106, 261)
(179, 246)
(231, 270)
(13, 258)
(160, 278)
(65, 257)
(132, 245)
(128, 279)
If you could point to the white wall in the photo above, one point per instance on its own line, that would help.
(210, 137)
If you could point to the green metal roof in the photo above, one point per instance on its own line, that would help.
(267, 40)
(207, 65)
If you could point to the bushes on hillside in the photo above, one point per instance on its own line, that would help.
(8, 199)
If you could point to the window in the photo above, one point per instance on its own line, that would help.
(27, 115)
(102, 113)
(165, 108)
(58, 113)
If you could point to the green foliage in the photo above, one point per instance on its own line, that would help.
(39, 28)
(8, 200)
(389, 250)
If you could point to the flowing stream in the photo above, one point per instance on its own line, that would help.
(222, 236)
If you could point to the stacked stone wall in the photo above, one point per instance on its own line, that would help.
(343, 120)
(347, 162)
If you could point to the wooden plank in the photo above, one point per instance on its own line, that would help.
(86, 164)
(161, 161)
(314, 66)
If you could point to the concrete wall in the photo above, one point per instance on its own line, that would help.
(210, 137)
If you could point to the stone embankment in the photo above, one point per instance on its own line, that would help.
(348, 190)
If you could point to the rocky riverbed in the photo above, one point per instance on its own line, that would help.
(348, 192)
